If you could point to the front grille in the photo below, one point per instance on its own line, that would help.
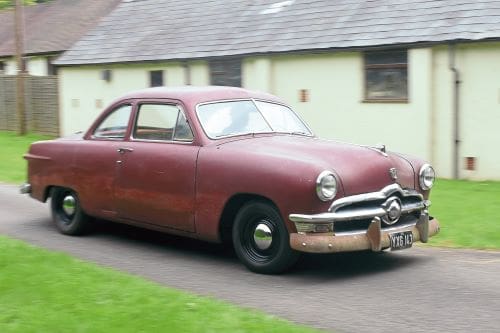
(362, 225)
(359, 210)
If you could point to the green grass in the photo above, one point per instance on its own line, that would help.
(469, 213)
(42, 291)
(12, 149)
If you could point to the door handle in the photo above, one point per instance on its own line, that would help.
(123, 150)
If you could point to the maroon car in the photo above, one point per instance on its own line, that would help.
(229, 164)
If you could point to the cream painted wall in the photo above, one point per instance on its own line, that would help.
(422, 127)
(37, 66)
(84, 95)
(10, 66)
(479, 66)
(479, 110)
(336, 109)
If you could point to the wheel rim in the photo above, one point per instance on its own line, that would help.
(260, 240)
(67, 207)
(263, 236)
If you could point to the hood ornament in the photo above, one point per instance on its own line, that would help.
(381, 147)
(393, 172)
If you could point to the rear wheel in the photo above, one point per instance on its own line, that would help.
(67, 213)
(261, 240)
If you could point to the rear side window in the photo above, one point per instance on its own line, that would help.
(162, 122)
(115, 125)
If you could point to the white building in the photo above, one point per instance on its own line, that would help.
(49, 29)
(422, 77)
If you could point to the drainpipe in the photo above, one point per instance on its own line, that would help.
(187, 73)
(456, 110)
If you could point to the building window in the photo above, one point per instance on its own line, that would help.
(386, 76)
(156, 78)
(2, 67)
(106, 75)
(225, 72)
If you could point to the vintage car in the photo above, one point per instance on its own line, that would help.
(228, 164)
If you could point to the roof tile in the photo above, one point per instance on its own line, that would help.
(141, 30)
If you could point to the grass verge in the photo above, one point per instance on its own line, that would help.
(12, 149)
(468, 213)
(42, 291)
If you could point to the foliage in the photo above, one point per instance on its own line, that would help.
(468, 213)
(12, 148)
(41, 291)
(10, 3)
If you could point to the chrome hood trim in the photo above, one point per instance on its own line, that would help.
(339, 210)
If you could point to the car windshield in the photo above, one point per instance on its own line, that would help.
(229, 118)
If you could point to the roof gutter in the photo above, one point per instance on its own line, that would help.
(456, 109)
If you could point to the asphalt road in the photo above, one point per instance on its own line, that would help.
(415, 290)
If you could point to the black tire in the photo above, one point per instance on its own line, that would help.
(258, 253)
(69, 219)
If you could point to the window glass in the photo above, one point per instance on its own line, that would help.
(114, 126)
(182, 130)
(156, 78)
(161, 122)
(243, 117)
(281, 118)
(386, 75)
(225, 72)
(231, 118)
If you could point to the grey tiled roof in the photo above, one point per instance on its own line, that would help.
(54, 26)
(144, 30)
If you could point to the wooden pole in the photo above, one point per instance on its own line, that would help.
(18, 23)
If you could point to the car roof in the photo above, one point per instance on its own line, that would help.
(194, 94)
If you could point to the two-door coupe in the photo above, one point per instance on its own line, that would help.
(229, 164)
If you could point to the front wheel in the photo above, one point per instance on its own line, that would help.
(67, 213)
(261, 240)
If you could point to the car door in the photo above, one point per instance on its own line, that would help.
(95, 161)
(156, 176)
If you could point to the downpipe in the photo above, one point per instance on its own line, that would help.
(456, 109)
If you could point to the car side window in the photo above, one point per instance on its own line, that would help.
(115, 125)
(182, 130)
(163, 122)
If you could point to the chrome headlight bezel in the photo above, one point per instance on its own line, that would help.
(426, 177)
(326, 186)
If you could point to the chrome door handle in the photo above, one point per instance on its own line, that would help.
(123, 150)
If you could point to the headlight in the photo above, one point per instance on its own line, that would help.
(326, 186)
(426, 177)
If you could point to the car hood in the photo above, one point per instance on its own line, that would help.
(360, 169)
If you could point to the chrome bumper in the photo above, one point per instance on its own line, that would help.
(317, 232)
(374, 238)
(25, 188)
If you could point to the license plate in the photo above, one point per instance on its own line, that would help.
(401, 240)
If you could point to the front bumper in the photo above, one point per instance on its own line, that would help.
(25, 188)
(364, 221)
(374, 238)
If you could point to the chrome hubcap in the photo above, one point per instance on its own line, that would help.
(263, 236)
(69, 205)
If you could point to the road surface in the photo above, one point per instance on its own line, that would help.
(417, 290)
